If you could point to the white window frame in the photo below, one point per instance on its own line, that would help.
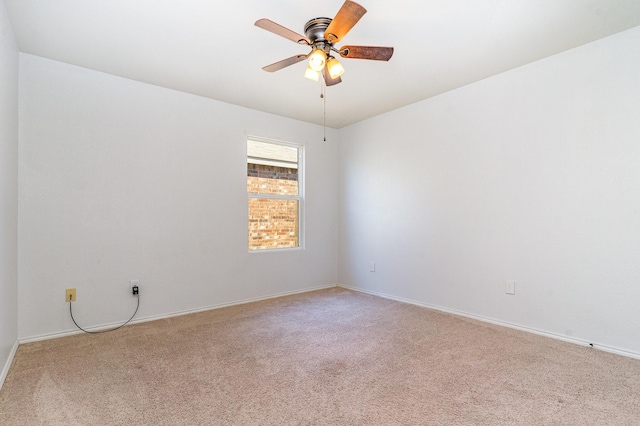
(300, 197)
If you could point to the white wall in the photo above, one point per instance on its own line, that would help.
(8, 191)
(121, 180)
(532, 175)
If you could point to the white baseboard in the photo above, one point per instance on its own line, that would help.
(605, 348)
(568, 339)
(7, 365)
(56, 335)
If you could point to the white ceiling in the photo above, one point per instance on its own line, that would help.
(211, 48)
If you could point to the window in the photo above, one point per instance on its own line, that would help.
(274, 188)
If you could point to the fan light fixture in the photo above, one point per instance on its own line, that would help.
(317, 60)
(312, 74)
(334, 67)
(321, 35)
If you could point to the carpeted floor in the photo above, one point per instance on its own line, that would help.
(331, 357)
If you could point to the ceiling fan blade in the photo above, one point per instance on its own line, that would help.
(367, 52)
(348, 15)
(285, 63)
(328, 80)
(278, 29)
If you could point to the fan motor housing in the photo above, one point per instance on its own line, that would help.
(315, 28)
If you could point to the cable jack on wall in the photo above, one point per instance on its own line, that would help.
(135, 291)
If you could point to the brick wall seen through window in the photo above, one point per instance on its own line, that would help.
(274, 195)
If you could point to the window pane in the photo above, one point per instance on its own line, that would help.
(272, 169)
(274, 195)
(273, 223)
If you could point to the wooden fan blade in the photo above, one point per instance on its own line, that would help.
(285, 63)
(328, 80)
(348, 15)
(278, 29)
(367, 52)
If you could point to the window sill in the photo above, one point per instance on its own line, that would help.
(276, 250)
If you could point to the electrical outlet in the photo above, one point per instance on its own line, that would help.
(70, 295)
(135, 287)
(510, 287)
(372, 266)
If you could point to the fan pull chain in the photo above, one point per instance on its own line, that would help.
(323, 95)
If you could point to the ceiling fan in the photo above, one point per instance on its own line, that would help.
(321, 34)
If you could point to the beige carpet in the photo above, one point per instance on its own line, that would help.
(331, 357)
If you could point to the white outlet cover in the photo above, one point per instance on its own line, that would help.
(510, 287)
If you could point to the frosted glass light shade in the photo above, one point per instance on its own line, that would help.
(312, 74)
(335, 68)
(317, 60)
